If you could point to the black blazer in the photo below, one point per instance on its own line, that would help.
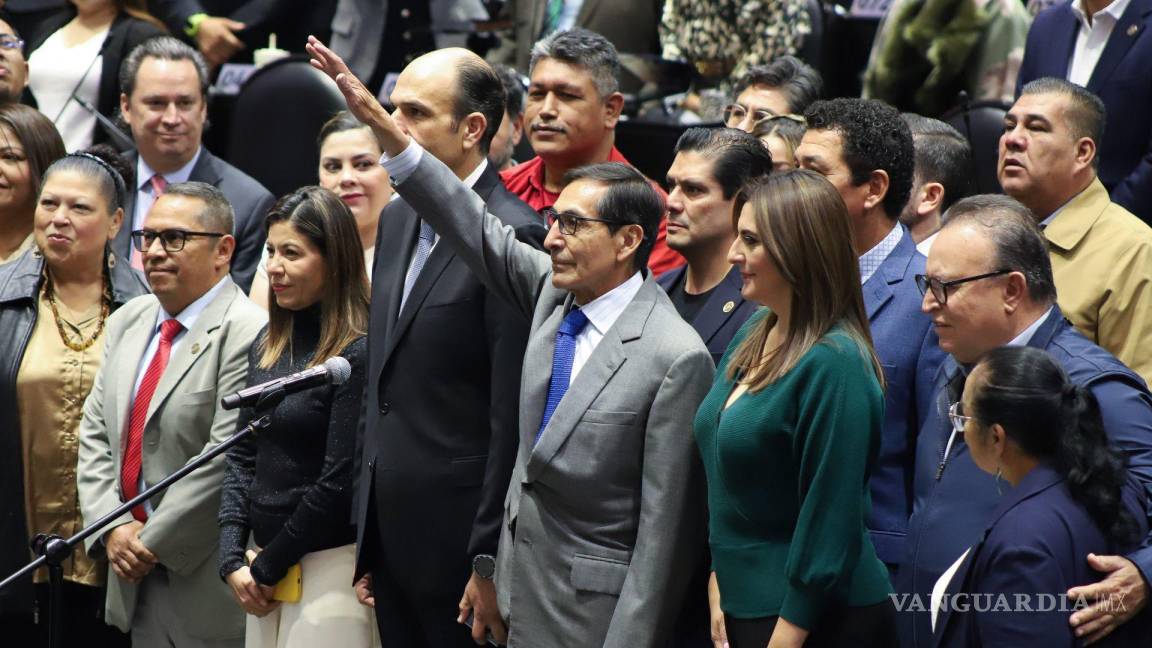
(723, 315)
(440, 429)
(124, 35)
(250, 202)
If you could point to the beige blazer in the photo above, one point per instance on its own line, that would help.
(1102, 264)
(184, 419)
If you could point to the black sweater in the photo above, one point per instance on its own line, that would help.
(291, 485)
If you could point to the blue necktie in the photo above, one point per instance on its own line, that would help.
(423, 249)
(573, 323)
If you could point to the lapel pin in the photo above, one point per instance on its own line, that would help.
(1132, 29)
(195, 348)
(728, 306)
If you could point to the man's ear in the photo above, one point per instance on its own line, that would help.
(931, 198)
(226, 249)
(474, 126)
(877, 188)
(517, 129)
(124, 108)
(629, 237)
(1015, 290)
(1085, 151)
(613, 106)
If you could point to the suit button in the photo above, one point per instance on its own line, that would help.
(371, 465)
(385, 408)
(405, 13)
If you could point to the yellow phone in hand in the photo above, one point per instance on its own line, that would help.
(290, 587)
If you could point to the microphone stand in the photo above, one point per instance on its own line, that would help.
(54, 550)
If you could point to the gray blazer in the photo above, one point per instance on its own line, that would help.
(602, 516)
(357, 29)
(184, 419)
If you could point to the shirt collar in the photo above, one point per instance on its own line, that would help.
(1026, 335)
(144, 172)
(1114, 10)
(603, 311)
(473, 177)
(871, 260)
(191, 312)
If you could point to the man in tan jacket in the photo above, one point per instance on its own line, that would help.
(169, 359)
(1101, 253)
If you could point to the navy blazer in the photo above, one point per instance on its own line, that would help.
(954, 499)
(723, 314)
(1123, 81)
(1035, 543)
(906, 344)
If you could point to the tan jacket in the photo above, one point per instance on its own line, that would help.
(1102, 264)
(184, 419)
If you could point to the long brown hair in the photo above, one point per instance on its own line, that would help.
(804, 228)
(324, 219)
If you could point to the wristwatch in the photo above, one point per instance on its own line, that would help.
(484, 565)
(192, 27)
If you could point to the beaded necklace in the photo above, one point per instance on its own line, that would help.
(83, 344)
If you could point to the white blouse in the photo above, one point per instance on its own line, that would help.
(55, 69)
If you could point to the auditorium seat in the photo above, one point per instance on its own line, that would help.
(981, 122)
(276, 119)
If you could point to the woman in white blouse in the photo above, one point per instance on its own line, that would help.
(78, 54)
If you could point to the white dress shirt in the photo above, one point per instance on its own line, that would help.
(871, 260)
(144, 195)
(1092, 38)
(602, 313)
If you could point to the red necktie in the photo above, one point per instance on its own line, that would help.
(159, 184)
(133, 459)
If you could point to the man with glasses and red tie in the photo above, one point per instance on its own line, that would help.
(155, 405)
(988, 284)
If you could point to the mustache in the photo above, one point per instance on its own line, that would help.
(555, 128)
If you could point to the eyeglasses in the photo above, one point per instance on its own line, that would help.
(735, 114)
(8, 41)
(173, 240)
(570, 222)
(940, 288)
(958, 419)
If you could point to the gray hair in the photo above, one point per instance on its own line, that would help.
(1016, 238)
(165, 48)
(217, 215)
(584, 49)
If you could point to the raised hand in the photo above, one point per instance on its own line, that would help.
(361, 102)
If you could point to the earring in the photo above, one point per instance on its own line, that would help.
(999, 475)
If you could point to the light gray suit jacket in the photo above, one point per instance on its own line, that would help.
(184, 419)
(357, 29)
(603, 515)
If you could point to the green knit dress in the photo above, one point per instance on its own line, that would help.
(787, 472)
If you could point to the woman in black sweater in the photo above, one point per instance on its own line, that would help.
(289, 487)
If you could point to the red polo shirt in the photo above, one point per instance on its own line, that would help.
(526, 181)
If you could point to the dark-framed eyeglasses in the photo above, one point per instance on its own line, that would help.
(959, 420)
(940, 288)
(8, 41)
(173, 240)
(735, 114)
(569, 222)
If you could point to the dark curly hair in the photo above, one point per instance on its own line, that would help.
(875, 138)
(1050, 418)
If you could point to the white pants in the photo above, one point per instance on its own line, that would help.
(327, 613)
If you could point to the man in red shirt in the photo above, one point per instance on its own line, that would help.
(570, 116)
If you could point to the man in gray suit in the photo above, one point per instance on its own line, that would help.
(168, 359)
(606, 495)
(164, 85)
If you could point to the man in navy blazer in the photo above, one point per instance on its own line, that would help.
(989, 283)
(865, 150)
(1059, 46)
(710, 167)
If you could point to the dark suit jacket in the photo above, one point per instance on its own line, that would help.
(723, 315)
(954, 499)
(1035, 543)
(1123, 81)
(250, 202)
(124, 35)
(910, 354)
(440, 424)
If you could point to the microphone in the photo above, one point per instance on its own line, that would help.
(123, 141)
(335, 370)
